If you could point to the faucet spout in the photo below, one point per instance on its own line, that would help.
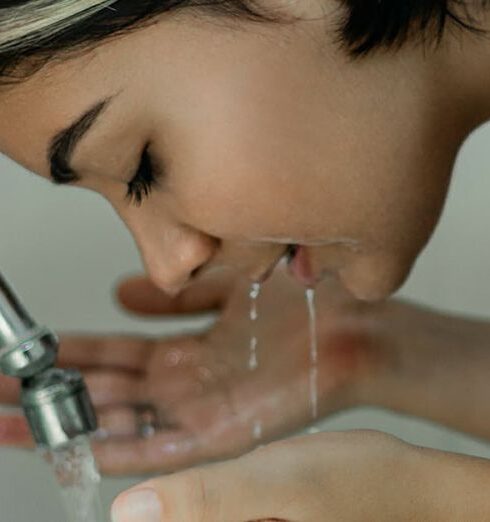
(25, 347)
(55, 401)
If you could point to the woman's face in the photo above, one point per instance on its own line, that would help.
(260, 136)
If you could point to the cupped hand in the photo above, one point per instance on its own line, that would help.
(328, 477)
(167, 403)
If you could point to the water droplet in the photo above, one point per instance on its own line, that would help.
(205, 374)
(257, 430)
(147, 432)
(173, 358)
(255, 291)
(253, 363)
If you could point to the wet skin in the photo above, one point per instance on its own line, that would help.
(205, 397)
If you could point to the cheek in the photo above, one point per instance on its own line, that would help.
(237, 205)
(407, 215)
(244, 179)
(245, 150)
(376, 276)
(393, 235)
(258, 157)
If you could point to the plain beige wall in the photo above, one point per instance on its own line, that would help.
(63, 248)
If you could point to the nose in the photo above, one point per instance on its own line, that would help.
(175, 257)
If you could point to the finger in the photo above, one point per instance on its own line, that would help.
(116, 352)
(9, 390)
(164, 451)
(139, 295)
(117, 422)
(192, 431)
(125, 423)
(14, 430)
(176, 443)
(238, 490)
(109, 388)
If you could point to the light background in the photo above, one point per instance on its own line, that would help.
(63, 249)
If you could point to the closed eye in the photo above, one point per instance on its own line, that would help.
(145, 179)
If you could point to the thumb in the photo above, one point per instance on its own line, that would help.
(238, 490)
(139, 295)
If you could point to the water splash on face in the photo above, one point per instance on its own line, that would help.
(310, 299)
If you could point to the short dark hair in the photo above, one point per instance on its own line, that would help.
(109, 21)
(375, 24)
(365, 26)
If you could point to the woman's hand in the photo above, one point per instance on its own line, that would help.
(207, 399)
(197, 393)
(329, 477)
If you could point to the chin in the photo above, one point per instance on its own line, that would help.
(375, 284)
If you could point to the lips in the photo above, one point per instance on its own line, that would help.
(285, 255)
(299, 265)
(297, 258)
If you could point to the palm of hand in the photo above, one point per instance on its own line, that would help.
(208, 402)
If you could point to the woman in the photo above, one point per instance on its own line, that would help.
(232, 134)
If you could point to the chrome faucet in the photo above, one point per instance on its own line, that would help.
(55, 401)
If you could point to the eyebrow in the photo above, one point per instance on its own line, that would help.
(62, 146)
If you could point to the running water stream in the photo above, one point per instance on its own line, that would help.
(77, 475)
(313, 378)
(253, 362)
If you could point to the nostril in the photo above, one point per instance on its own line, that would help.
(196, 271)
(205, 256)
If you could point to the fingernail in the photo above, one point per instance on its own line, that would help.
(137, 505)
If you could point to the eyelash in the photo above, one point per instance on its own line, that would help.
(143, 182)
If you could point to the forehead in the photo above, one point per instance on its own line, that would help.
(31, 114)
(170, 56)
(35, 110)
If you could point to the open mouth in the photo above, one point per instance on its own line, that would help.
(299, 265)
(291, 252)
(303, 264)
(288, 255)
(297, 258)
